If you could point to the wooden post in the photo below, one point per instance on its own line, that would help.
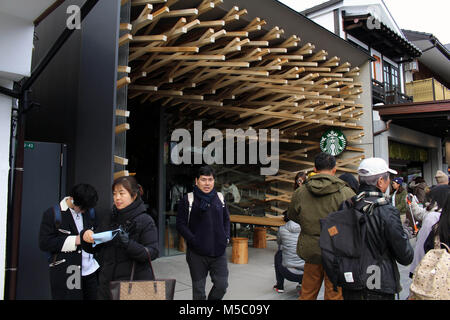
(259, 238)
(239, 251)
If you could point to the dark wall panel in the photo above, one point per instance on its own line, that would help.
(77, 93)
(95, 120)
(56, 89)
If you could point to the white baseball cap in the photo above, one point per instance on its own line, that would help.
(373, 166)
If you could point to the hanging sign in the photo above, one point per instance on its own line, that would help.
(333, 142)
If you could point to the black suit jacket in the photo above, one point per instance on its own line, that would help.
(65, 279)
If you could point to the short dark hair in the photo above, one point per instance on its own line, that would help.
(205, 171)
(84, 196)
(130, 184)
(324, 161)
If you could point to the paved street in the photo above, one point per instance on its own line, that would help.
(253, 281)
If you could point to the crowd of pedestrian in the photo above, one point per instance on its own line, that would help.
(122, 244)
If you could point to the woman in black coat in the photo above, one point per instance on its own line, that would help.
(136, 241)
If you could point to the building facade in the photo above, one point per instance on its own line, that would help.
(132, 75)
(396, 56)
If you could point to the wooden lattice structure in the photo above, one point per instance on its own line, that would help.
(204, 63)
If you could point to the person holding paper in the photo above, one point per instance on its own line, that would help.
(73, 271)
(131, 238)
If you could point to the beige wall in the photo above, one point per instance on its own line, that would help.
(366, 121)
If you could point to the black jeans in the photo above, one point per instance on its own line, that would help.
(89, 285)
(366, 295)
(282, 273)
(199, 266)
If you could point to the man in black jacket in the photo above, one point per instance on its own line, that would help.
(73, 272)
(387, 238)
(205, 225)
(439, 192)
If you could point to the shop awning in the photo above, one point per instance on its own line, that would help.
(432, 118)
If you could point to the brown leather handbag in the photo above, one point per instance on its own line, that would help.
(157, 289)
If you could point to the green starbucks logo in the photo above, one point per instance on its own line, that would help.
(333, 142)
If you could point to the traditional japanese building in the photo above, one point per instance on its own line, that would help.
(412, 146)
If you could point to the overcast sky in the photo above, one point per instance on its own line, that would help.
(430, 16)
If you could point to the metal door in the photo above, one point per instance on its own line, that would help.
(43, 186)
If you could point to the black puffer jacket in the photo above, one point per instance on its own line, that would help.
(390, 241)
(116, 260)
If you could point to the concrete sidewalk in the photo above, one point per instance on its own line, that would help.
(252, 281)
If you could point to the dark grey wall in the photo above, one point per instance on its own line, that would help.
(57, 87)
(77, 92)
(95, 119)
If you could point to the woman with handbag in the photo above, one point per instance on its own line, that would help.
(127, 255)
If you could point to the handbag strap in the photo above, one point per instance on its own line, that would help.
(132, 271)
(150, 261)
(151, 266)
(437, 242)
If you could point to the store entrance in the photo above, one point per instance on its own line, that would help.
(408, 170)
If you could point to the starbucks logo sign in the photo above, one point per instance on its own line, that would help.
(333, 142)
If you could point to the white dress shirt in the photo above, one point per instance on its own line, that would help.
(88, 264)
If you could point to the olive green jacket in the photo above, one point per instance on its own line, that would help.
(315, 200)
(400, 201)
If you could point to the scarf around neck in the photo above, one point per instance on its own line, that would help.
(205, 198)
(128, 213)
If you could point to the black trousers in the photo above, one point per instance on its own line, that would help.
(89, 285)
(199, 267)
(366, 295)
(282, 273)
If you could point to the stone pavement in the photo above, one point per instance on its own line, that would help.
(252, 281)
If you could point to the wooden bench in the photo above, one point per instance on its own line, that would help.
(256, 221)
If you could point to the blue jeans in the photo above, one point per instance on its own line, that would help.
(283, 273)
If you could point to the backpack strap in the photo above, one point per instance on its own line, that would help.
(92, 214)
(222, 198)
(57, 215)
(190, 202)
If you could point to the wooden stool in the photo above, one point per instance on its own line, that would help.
(239, 250)
(169, 236)
(181, 244)
(259, 238)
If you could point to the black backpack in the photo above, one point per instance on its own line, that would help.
(345, 243)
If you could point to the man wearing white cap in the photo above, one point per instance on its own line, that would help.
(386, 240)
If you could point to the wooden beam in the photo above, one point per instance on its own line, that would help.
(123, 82)
(123, 69)
(126, 38)
(119, 174)
(121, 160)
(122, 128)
(122, 113)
